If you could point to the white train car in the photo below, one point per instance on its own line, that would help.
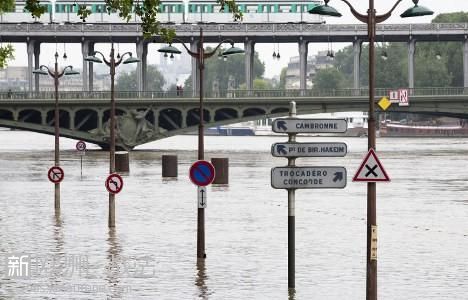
(174, 11)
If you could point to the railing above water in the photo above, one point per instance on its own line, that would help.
(228, 94)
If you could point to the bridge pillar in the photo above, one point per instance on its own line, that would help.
(303, 51)
(90, 68)
(156, 119)
(249, 47)
(465, 63)
(357, 49)
(85, 51)
(99, 125)
(184, 113)
(33, 49)
(195, 81)
(142, 53)
(411, 51)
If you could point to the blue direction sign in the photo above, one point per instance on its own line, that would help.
(309, 149)
(202, 173)
(291, 125)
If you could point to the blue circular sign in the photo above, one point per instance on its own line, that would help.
(202, 173)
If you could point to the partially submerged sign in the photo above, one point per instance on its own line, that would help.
(309, 149)
(292, 125)
(308, 177)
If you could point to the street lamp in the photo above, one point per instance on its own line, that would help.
(112, 63)
(56, 74)
(200, 56)
(371, 19)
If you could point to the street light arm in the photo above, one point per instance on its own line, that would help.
(190, 52)
(60, 74)
(117, 62)
(359, 16)
(103, 57)
(210, 54)
(381, 18)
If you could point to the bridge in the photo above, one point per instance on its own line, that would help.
(33, 34)
(148, 116)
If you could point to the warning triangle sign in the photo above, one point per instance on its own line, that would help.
(371, 169)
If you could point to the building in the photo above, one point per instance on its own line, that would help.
(314, 63)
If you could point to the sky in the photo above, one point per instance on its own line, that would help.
(272, 67)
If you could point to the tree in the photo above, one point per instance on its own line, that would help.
(329, 78)
(282, 83)
(127, 81)
(6, 52)
(221, 70)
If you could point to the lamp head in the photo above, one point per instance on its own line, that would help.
(325, 10)
(40, 71)
(70, 71)
(131, 60)
(416, 11)
(233, 50)
(169, 50)
(93, 59)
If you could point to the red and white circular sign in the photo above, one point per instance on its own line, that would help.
(55, 174)
(80, 146)
(114, 183)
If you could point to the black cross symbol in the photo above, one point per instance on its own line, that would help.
(371, 170)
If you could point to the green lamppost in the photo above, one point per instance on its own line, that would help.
(56, 74)
(371, 19)
(112, 63)
(200, 56)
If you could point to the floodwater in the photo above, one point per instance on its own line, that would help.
(422, 217)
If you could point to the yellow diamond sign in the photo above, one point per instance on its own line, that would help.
(384, 103)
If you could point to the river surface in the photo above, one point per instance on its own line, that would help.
(422, 217)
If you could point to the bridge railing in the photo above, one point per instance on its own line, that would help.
(228, 94)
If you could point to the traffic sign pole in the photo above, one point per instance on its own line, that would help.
(292, 212)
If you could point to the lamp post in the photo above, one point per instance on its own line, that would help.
(200, 56)
(371, 19)
(56, 74)
(112, 63)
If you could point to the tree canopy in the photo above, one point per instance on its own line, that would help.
(393, 72)
(127, 81)
(218, 69)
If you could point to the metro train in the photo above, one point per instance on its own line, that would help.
(176, 11)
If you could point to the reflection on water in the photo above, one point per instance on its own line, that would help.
(422, 219)
(115, 265)
(201, 278)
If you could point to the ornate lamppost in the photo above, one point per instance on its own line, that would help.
(200, 56)
(371, 19)
(112, 63)
(56, 74)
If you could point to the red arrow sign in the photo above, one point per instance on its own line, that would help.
(114, 183)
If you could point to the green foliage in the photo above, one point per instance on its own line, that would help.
(329, 78)
(127, 81)
(282, 83)
(258, 84)
(221, 70)
(7, 5)
(6, 53)
(35, 8)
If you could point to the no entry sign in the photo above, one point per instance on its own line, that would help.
(114, 183)
(202, 173)
(55, 174)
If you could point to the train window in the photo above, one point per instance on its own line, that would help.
(251, 8)
(284, 8)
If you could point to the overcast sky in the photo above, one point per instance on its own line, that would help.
(273, 67)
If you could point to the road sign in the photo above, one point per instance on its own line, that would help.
(384, 103)
(403, 97)
(202, 173)
(309, 149)
(394, 96)
(201, 191)
(114, 183)
(55, 174)
(291, 125)
(80, 146)
(371, 169)
(308, 177)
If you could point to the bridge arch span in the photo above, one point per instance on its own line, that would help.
(30, 115)
(64, 118)
(253, 111)
(226, 114)
(86, 119)
(170, 119)
(193, 116)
